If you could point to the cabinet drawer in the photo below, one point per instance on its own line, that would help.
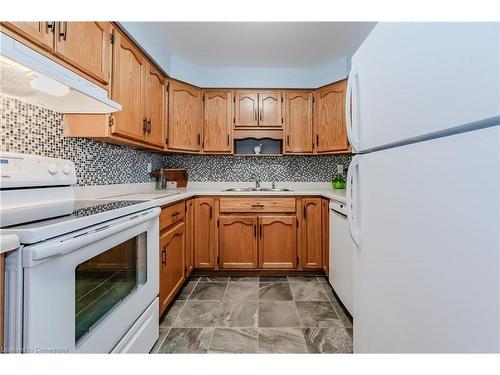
(171, 214)
(256, 204)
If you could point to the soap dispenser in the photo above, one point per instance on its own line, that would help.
(339, 180)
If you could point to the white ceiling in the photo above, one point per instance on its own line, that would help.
(258, 44)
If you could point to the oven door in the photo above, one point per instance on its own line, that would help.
(83, 292)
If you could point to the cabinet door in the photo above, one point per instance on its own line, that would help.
(172, 266)
(184, 123)
(217, 121)
(329, 118)
(238, 242)
(41, 33)
(312, 256)
(127, 87)
(325, 224)
(189, 236)
(154, 106)
(86, 46)
(204, 233)
(278, 242)
(270, 109)
(298, 129)
(246, 109)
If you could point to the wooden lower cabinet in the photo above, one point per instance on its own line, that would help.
(278, 242)
(238, 242)
(204, 232)
(325, 223)
(190, 225)
(172, 268)
(311, 236)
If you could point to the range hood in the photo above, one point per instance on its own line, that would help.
(36, 79)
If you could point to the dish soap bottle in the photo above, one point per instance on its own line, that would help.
(339, 180)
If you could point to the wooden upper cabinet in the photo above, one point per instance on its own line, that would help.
(238, 242)
(85, 45)
(270, 109)
(298, 129)
(154, 106)
(246, 107)
(311, 243)
(184, 119)
(41, 33)
(204, 233)
(329, 119)
(278, 242)
(127, 88)
(172, 268)
(217, 121)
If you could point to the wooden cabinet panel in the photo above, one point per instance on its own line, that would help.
(86, 46)
(184, 119)
(325, 224)
(298, 129)
(238, 242)
(278, 242)
(154, 106)
(217, 121)
(172, 266)
(246, 109)
(127, 86)
(256, 204)
(270, 109)
(204, 234)
(41, 33)
(329, 118)
(190, 225)
(311, 233)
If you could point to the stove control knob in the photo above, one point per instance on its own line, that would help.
(52, 168)
(66, 169)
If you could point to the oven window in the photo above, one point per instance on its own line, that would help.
(102, 282)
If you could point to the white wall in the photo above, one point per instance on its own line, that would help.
(247, 77)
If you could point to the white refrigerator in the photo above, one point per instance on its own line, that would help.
(423, 116)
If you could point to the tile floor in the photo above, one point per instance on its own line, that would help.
(255, 315)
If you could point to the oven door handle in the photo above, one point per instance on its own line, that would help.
(50, 249)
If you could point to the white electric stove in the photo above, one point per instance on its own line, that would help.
(85, 278)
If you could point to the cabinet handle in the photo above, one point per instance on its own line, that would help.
(255, 230)
(260, 115)
(317, 139)
(261, 230)
(199, 139)
(145, 124)
(305, 211)
(149, 125)
(164, 256)
(64, 33)
(288, 140)
(174, 214)
(51, 26)
(255, 113)
(257, 205)
(228, 139)
(210, 212)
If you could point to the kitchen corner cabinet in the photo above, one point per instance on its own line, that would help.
(184, 117)
(204, 232)
(298, 126)
(329, 118)
(172, 268)
(258, 109)
(82, 45)
(278, 242)
(238, 242)
(311, 235)
(217, 121)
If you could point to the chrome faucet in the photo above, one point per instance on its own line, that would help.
(257, 180)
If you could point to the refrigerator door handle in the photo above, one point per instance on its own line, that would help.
(354, 142)
(352, 199)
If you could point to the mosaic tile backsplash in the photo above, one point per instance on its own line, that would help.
(26, 128)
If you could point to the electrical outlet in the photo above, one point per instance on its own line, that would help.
(150, 167)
